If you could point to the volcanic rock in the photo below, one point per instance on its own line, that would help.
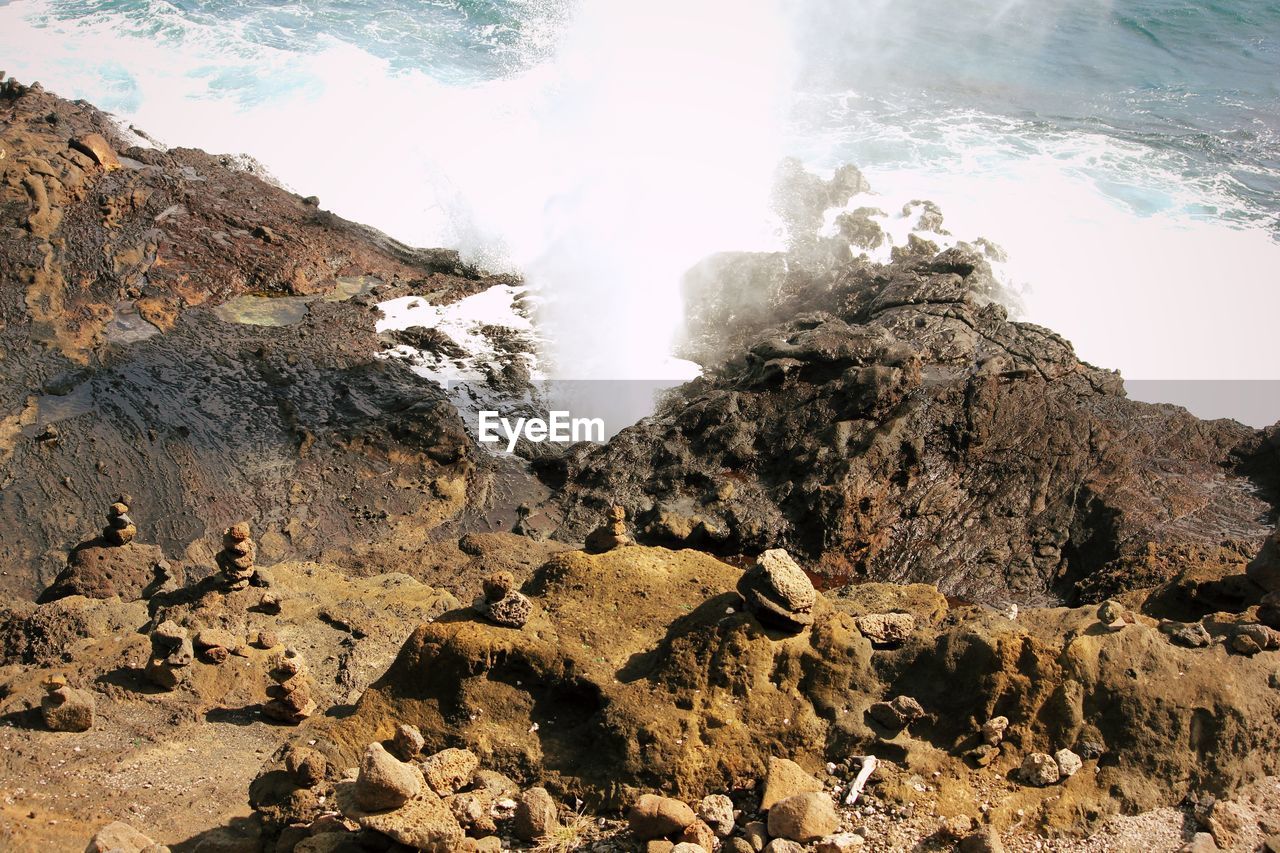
(119, 837)
(1190, 634)
(99, 149)
(699, 834)
(66, 709)
(716, 810)
(898, 713)
(804, 817)
(1039, 769)
(1068, 763)
(384, 782)
(653, 816)
(612, 534)
(307, 766)
(511, 611)
(886, 629)
(778, 592)
(407, 743)
(450, 770)
(536, 815)
(784, 778)
(993, 730)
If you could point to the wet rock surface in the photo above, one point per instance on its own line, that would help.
(204, 420)
(893, 423)
(183, 331)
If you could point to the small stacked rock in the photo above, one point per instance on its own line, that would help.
(612, 534)
(171, 653)
(503, 604)
(120, 528)
(778, 592)
(64, 708)
(1113, 616)
(290, 692)
(236, 557)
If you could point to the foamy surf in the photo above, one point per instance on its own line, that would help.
(601, 151)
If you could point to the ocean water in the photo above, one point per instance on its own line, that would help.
(1125, 153)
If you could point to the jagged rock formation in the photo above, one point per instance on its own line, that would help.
(892, 423)
(643, 669)
(138, 359)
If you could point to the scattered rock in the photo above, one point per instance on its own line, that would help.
(99, 149)
(118, 837)
(756, 834)
(307, 766)
(688, 847)
(783, 845)
(266, 639)
(699, 834)
(1039, 769)
(424, 823)
(1266, 639)
(407, 743)
(716, 810)
(1068, 763)
(1201, 842)
(993, 730)
(536, 815)
(844, 842)
(887, 629)
(784, 779)
(215, 644)
(384, 781)
(1190, 634)
(982, 841)
(449, 770)
(778, 592)
(898, 713)
(653, 816)
(804, 817)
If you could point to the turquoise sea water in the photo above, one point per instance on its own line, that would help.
(1126, 153)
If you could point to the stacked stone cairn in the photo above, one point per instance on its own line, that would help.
(120, 528)
(235, 560)
(172, 652)
(503, 604)
(612, 534)
(290, 691)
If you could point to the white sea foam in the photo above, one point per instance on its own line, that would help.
(643, 137)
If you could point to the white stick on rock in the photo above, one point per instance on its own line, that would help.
(868, 767)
